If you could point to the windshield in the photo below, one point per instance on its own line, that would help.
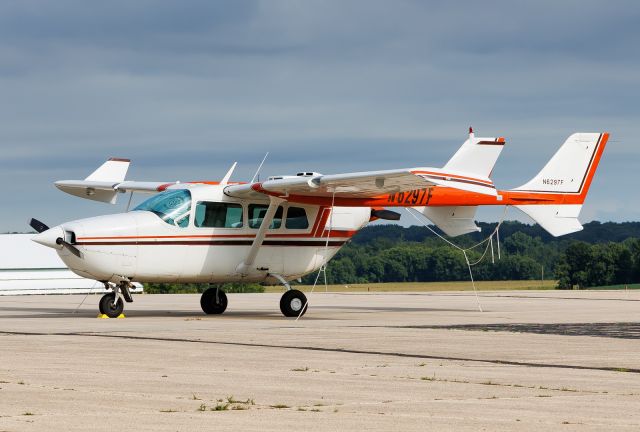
(171, 206)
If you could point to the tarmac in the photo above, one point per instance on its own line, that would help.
(532, 361)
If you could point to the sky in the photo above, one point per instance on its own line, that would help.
(185, 88)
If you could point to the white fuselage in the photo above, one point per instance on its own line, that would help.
(208, 240)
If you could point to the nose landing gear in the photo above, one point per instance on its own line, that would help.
(112, 304)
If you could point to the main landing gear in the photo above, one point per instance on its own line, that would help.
(214, 301)
(292, 302)
(112, 304)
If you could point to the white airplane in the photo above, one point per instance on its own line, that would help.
(278, 230)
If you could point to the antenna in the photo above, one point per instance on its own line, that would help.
(259, 167)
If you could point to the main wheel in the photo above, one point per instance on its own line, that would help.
(110, 306)
(212, 305)
(292, 302)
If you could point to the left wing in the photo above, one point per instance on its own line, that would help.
(108, 191)
(367, 184)
(105, 183)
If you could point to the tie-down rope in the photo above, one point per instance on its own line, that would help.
(488, 241)
(323, 267)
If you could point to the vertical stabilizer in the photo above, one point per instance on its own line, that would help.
(113, 170)
(564, 181)
(477, 155)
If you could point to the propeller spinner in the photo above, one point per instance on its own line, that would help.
(52, 237)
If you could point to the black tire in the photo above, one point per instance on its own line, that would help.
(108, 307)
(212, 306)
(292, 302)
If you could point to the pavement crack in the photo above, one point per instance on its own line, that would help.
(334, 350)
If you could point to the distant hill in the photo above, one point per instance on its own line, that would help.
(594, 232)
(601, 254)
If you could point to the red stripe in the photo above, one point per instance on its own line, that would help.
(453, 176)
(313, 243)
(334, 233)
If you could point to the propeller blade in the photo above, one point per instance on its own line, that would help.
(385, 214)
(37, 225)
(74, 250)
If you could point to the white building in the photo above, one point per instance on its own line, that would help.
(29, 268)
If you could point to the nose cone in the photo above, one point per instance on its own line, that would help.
(50, 237)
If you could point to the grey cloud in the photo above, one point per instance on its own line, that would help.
(185, 88)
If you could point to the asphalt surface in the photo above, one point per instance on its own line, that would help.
(533, 360)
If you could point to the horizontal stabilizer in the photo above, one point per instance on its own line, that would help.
(557, 220)
(453, 221)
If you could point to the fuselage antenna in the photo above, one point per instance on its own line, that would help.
(259, 168)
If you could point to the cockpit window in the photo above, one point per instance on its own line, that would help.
(171, 206)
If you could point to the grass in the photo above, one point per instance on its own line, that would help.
(221, 407)
(280, 406)
(304, 369)
(617, 287)
(429, 286)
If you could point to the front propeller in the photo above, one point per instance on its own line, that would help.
(37, 225)
(52, 237)
(74, 250)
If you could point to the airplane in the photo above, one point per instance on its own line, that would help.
(278, 230)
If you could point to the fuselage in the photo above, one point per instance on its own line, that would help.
(195, 233)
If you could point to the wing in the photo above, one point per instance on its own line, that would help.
(104, 183)
(367, 184)
(108, 191)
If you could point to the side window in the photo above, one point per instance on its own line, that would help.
(256, 215)
(297, 218)
(218, 215)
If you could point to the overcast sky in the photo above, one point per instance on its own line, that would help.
(185, 88)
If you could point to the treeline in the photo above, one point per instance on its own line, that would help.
(585, 265)
(197, 288)
(601, 254)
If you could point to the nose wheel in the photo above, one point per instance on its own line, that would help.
(213, 301)
(292, 302)
(111, 305)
